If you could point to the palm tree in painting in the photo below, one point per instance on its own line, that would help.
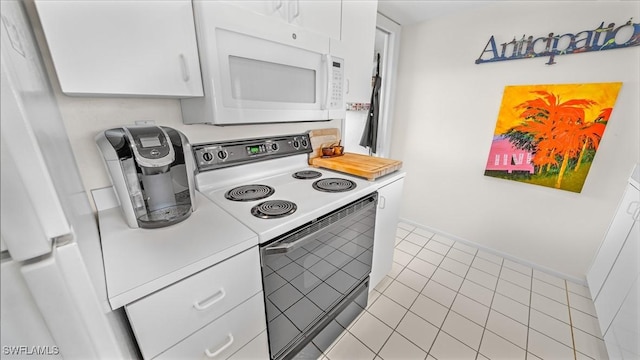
(591, 134)
(555, 129)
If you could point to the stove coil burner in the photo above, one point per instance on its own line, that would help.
(273, 209)
(249, 192)
(334, 185)
(307, 174)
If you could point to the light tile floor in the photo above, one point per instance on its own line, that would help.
(447, 300)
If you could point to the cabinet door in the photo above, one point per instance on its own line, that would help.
(275, 8)
(623, 334)
(322, 17)
(389, 198)
(357, 46)
(613, 241)
(123, 47)
(624, 272)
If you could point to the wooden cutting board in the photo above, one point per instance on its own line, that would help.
(368, 167)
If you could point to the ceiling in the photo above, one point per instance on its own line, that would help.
(408, 12)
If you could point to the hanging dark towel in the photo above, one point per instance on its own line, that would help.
(370, 134)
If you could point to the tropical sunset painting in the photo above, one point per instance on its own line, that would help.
(548, 134)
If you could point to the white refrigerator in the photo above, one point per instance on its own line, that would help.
(54, 300)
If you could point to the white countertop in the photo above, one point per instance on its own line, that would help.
(389, 178)
(141, 261)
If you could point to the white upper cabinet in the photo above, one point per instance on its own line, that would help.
(143, 48)
(319, 16)
(356, 46)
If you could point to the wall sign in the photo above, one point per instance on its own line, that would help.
(598, 39)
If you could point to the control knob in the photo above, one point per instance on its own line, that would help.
(222, 154)
(207, 156)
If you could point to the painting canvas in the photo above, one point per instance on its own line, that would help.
(549, 134)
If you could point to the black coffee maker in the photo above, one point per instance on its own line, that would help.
(151, 169)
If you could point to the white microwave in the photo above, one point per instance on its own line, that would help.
(259, 70)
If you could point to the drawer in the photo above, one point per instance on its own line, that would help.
(226, 335)
(256, 349)
(164, 318)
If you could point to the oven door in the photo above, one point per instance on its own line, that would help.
(316, 278)
(257, 69)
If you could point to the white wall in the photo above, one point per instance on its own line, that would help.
(85, 117)
(446, 111)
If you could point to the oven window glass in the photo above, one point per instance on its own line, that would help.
(266, 81)
(303, 283)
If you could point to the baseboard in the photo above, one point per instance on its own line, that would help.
(573, 279)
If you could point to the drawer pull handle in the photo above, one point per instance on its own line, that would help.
(630, 209)
(206, 303)
(221, 349)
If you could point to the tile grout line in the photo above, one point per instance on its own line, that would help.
(486, 321)
(573, 338)
(429, 279)
(408, 308)
(377, 353)
(419, 293)
(449, 311)
(325, 354)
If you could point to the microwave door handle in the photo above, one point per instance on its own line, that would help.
(329, 81)
(184, 68)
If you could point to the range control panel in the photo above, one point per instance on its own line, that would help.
(211, 156)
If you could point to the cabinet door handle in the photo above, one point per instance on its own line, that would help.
(184, 68)
(208, 302)
(630, 209)
(224, 347)
(294, 14)
(277, 5)
(382, 202)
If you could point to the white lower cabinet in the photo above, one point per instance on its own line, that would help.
(223, 337)
(614, 275)
(216, 299)
(623, 337)
(389, 198)
(618, 231)
(621, 277)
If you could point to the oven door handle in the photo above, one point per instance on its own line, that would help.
(285, 248)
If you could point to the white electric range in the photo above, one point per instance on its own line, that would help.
(315, 228)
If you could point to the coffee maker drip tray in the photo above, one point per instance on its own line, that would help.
(164, 217)
(169, 214)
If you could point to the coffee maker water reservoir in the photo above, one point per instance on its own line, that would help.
(151, 168)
